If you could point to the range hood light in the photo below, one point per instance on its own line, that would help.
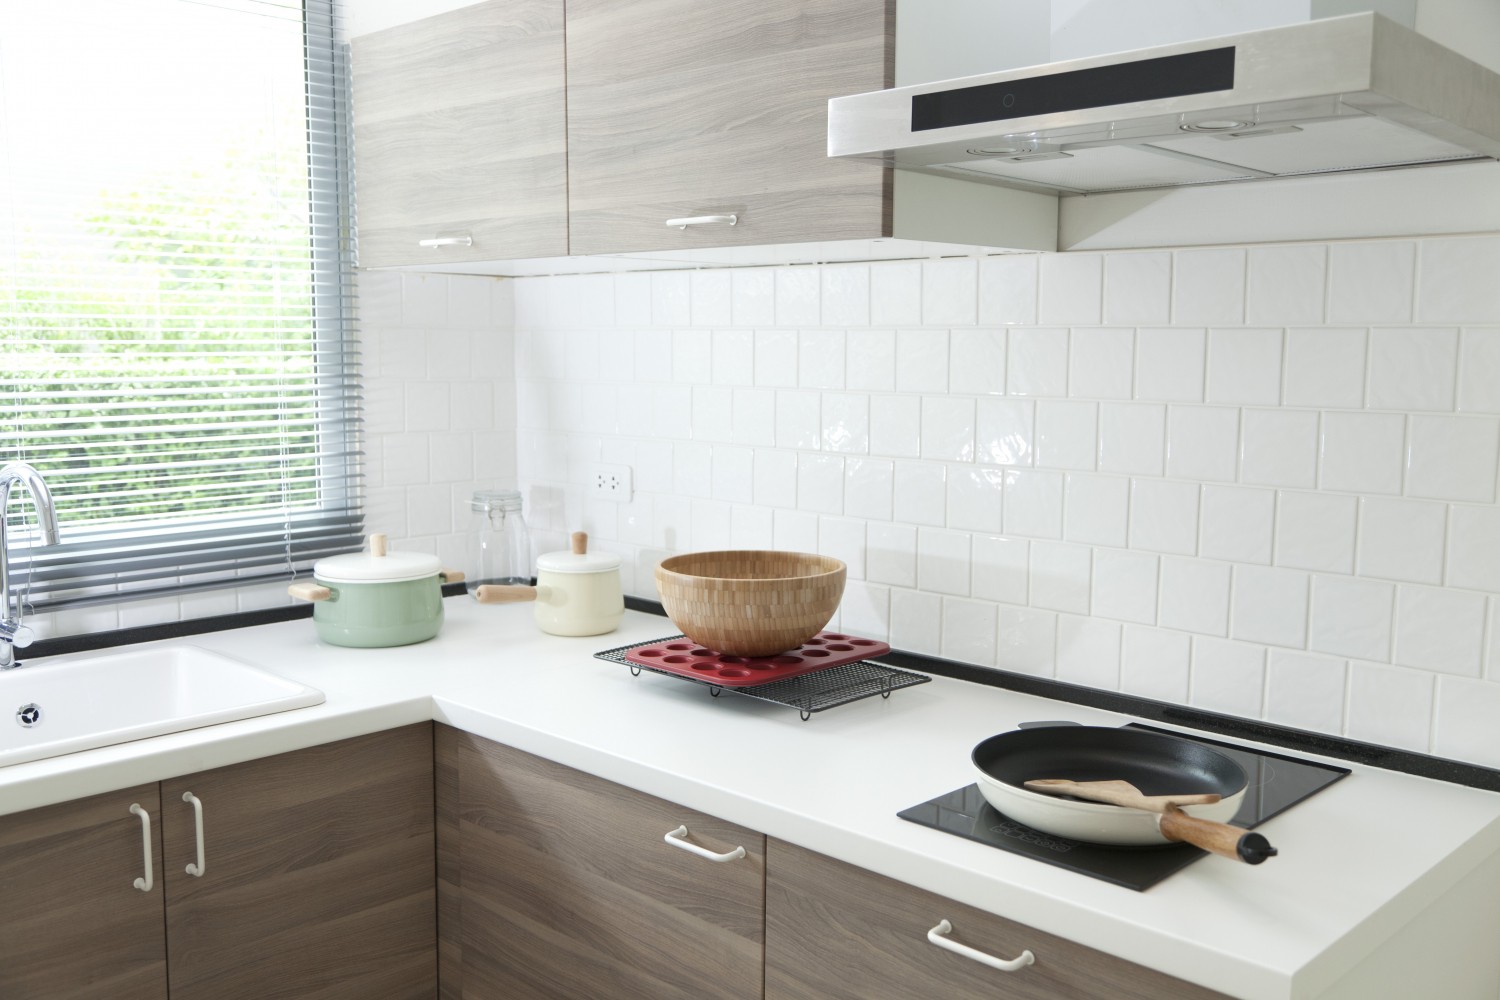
(1215, 125)
(997, 151)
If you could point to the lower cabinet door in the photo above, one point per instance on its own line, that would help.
(73, 923)
(837, 932)
(570, 889)
(317, 874)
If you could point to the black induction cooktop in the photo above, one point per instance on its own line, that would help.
(1275, 783)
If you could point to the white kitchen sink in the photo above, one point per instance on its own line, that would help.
(49, 710)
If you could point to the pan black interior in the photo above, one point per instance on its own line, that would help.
(1156, 764)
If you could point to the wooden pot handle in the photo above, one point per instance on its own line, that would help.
(499, 593)
(1219, 838)
(309, 592)
(451, 575)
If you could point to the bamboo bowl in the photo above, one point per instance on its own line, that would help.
(750, 602)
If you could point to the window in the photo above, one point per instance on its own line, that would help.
(175, 281)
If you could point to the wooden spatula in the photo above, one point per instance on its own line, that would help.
(1118, 793)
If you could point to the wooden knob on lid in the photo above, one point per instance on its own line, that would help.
(377, 545)
(580, 541)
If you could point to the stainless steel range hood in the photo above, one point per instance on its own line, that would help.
(1345, 93)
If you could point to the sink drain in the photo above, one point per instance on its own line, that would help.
(29, 715)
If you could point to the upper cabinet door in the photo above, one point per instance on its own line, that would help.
(317, 874)
(73, 925)
(682, 109)
(459, 134)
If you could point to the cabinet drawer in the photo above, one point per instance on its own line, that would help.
(837, 932)
(569, 889)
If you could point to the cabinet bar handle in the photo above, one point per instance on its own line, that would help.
(675, 838)
(939, 936)
(144, 884)
(202, 865)
(702, 220)
(446, 241)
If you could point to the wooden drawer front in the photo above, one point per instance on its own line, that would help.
(837, 932)
(72, 924)
(459, 128)
(683, 108)
(569, 890)
(319, 874)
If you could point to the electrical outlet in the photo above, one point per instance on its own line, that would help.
(611, 482)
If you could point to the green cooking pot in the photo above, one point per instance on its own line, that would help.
(378, 598)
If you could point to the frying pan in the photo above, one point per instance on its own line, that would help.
(1154, 763)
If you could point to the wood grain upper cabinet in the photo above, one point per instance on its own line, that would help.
(837, 932)
(459, 133)
(681, 108)
(569, 888)
(73, 924)
(318, 874)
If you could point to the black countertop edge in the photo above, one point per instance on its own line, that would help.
(1406, 761)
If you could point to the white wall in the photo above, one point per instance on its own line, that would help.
(1260, 480)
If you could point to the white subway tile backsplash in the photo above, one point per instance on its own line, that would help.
(1201, 476)
(1285, 285)
(922, 361)
(1169, 364)
(1371, 282)
(1452, 458)
(1008, 289)
(1137, 289)
(1208, 287)
(1412, 369)
(1402, 539)
(1362, 452)
(1315, 531)
(1236, 524)
(1155, 663)
(1101, 363)
(1228, 677)
(976, 362)
(1037, 362)
(1072, 288)
(1067, 434)
(1061, 576)
(950, 292)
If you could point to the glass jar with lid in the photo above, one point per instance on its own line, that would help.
(499, 540)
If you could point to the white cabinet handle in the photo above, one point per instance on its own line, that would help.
(446, 241)
(144, 884)
(676, 839)
(702, 220)
(197, 869)
(939, 936)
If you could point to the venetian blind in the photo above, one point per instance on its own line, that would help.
(176, 298)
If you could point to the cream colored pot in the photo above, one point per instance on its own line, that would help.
(576, 592)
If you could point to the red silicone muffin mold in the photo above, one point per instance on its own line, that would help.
(682, 656)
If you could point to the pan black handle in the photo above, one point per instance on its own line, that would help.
(1220, 838)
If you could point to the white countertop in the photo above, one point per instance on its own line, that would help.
(1357, 860)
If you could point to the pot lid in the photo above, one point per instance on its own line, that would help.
(579, 560)
(377, 565)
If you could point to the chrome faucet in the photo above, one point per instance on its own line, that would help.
(13, 634)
